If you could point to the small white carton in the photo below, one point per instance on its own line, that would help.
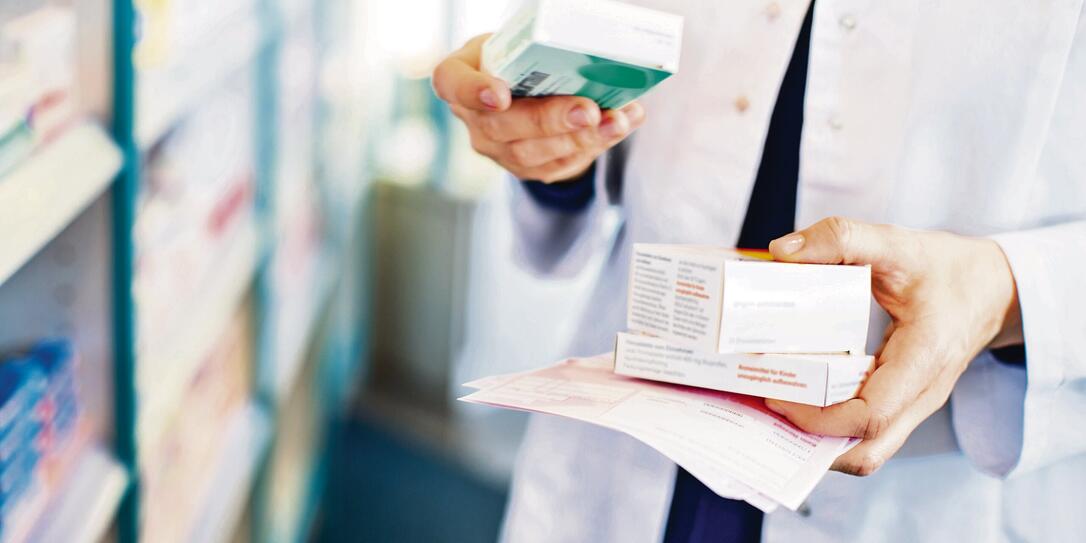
(720, 300)
(821, 380)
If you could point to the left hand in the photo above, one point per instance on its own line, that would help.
(949, 298)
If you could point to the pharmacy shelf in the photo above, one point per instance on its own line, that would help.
(50, 189)
(83, 508)
(166, 368)
(292, 344)
(248, 436)
(164, 95)
(296, 13)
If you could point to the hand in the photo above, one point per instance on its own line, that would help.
(949, 297)
(546, 139)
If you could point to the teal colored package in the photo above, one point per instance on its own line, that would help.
(608, 51)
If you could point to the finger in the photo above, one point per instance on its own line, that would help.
(536, 152)
(531, 153)
(485, 146)
(870, 455)
(616, 124)
(837, 240)
(885, 338)
(906, 370)
(458, 80)
(561, 169)
(530, 118)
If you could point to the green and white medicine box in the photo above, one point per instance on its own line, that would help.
(609, 51)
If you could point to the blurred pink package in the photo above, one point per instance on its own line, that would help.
(730, 442)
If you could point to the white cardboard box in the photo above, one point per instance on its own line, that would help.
(814, 379)
(718, 300)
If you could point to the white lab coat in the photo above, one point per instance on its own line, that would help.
(967, 116)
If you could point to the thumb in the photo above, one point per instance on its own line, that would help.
(837, 240)
(459, 80)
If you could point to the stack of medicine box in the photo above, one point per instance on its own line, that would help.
(725, 320)
(38, 414)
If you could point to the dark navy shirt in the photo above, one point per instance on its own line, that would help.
(697, 514)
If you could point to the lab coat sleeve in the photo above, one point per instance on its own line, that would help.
(1011, 419)
(560, 243)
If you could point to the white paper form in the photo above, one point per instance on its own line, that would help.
(721, 483)
(728, 441)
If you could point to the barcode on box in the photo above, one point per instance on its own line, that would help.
(529, 83)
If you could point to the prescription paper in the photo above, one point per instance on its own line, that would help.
(730, 442)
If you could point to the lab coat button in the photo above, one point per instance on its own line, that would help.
(741, 104)
(773, 11)
(848, 22)
(836, 124)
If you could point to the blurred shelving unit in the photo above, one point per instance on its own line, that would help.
(173, 209)
(49, 189)
(85, 506)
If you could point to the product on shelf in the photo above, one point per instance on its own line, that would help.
(37, 75)
(39, 422)
(299, 218)
(177, 469)
(171, 28)
(197, 198)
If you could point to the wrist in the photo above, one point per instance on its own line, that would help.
(1009, 329)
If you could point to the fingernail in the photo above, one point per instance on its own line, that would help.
(613, 127)
(488, 98)
(791, 243)
(578, 118)
(772, 406)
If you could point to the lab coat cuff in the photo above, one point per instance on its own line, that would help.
(997, 406)
(987, 411)
(556, 242)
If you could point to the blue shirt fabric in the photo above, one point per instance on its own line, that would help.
(569, 196)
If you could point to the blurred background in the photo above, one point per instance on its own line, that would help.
(246, 260)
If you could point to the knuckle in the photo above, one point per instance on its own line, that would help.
(483, 147)
(840, 230)
(874, 425)
(538, 116)
(489, 126)
(461, 113)
(521, 152)
(477, 142)
(585, 139)
(440, 81)
(868, 465)
(438, 76)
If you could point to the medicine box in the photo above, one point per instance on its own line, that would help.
(810, 379)
(609, 51)
(719, 300)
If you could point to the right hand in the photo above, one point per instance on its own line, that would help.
(550, 139)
